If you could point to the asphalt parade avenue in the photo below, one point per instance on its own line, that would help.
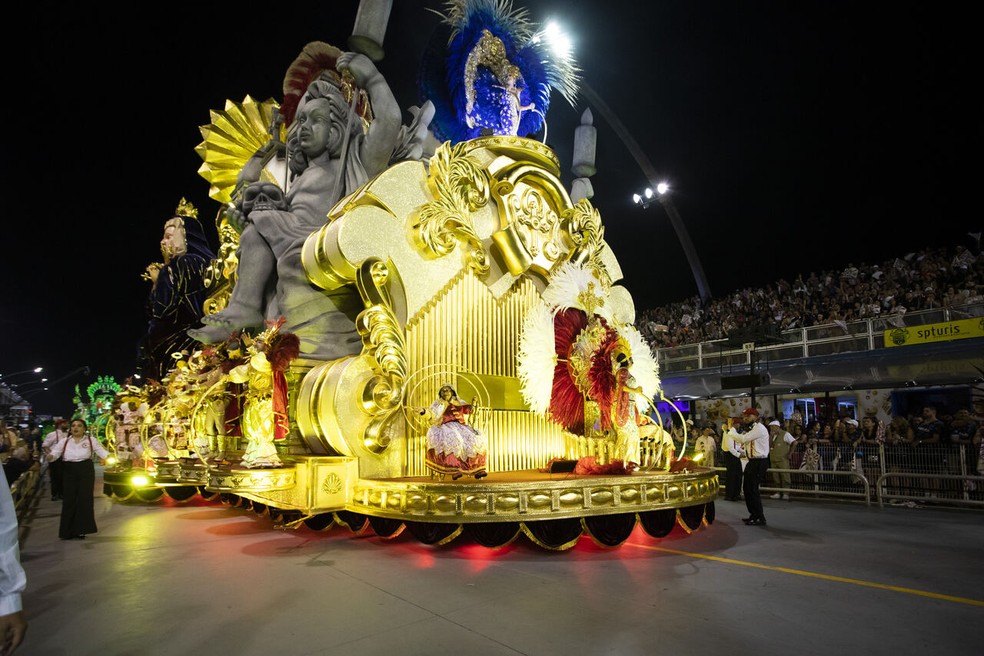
(172, 578)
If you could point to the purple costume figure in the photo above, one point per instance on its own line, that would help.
(177, 298)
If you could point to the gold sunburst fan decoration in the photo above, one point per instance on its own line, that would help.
(232, 137)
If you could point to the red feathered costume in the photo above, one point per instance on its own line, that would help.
(284, 349)
(589, 353)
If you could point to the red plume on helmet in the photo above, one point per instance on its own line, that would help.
(317, 59)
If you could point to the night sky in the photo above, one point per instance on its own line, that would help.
(796, 137)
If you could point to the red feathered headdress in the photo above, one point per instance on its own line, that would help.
(566, 400)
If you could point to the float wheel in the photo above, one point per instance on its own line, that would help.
(555, 534)
(436, 534)
(181, 492)
(493, 534)
(320, 522)
(610, 530)
(149, 494)
(385, 527)
(658, 523)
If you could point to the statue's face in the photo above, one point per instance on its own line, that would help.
(314, 127)
(173, 242)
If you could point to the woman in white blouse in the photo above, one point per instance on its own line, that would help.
(79, 478)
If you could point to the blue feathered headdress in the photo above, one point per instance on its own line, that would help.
(486, 68)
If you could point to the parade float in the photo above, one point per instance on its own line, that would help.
(444, 349)
(95, 407)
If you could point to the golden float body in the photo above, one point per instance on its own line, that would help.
(448, 260)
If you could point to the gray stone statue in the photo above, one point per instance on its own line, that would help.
(330, 155)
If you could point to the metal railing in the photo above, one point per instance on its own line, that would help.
(24, 488)
(816, 483)
(938, 474)
(970, 483)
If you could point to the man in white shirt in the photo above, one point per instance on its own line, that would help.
(732, 454)
(754, 437)
(55, 468)
(13, 580)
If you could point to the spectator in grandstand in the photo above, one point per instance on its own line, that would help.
(797, 447)
(978, 442)
(850, 432)
(8, 438)
(873, 431)
(899, 431)
(870, 435)
(13, 580)
(962, 427)
(828, 454)
(33, 438)
(914, 282)
(838, 446)
(780, 442)
(20, 461)
(930, 429)
(866, 442)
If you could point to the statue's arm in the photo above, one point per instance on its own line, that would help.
(384, 131)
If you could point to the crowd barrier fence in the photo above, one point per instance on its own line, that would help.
(24, 488)
(938, 474)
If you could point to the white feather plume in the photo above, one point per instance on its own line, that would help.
(644, 367)
(567, 285)
(537, 358)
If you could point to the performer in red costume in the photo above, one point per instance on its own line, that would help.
(453, 446)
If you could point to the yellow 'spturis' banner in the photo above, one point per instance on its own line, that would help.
(935, 332)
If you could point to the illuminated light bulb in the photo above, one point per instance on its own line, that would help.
(557, 39)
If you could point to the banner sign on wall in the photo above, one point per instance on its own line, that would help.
(935, 332)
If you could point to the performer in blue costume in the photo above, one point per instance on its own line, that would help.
(488, 71)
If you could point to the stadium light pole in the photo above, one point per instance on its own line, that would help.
(7, 377)
(31, 386)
